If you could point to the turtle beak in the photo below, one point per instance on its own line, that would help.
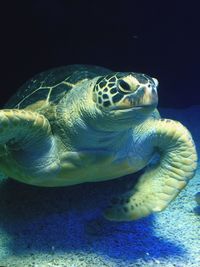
(150, 97)
(144, 96)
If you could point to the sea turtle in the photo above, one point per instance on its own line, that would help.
(83, 123)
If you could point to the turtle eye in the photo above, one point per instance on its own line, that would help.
(123, 87)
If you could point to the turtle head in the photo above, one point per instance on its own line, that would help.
(129, 97)
(125, 91)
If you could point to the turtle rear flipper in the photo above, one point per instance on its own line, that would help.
(26, 143)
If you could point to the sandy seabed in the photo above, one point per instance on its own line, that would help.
(64, 226)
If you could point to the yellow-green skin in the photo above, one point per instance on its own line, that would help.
(84, 124)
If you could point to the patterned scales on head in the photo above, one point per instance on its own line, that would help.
(107, 92)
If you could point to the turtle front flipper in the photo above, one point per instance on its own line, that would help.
(26, 144)
(161, 182)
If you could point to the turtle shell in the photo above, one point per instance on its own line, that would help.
(50, 86)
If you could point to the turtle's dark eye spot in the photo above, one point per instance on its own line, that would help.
(113, 79)
(99, 100)
(100, 79)
(106, 103)
(102, 84)
(105, 96)
(113, 90)
(111, 85)
(95, 88)
(123, 86)
(117, 98)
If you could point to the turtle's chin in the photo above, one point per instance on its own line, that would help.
(128, 117)
(121, 118)
(139, 107)
(126, 111)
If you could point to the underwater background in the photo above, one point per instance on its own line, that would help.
(64, 226)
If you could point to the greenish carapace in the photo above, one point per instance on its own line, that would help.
(83, 123)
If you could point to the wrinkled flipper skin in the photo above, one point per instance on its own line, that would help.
(160, 183)
(25, 139)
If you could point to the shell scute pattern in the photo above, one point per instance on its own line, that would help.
(50, 86)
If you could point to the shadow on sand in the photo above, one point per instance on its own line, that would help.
(63, 220)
